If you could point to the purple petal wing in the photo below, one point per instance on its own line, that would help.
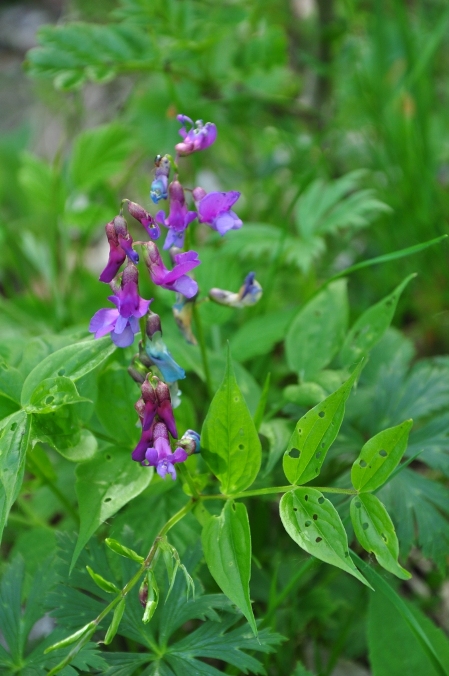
(226, 221)
(103, 321)
(165, 412)
(123, 339)
(186, 285)
(152, 457)
(179, 455)
(216, 202)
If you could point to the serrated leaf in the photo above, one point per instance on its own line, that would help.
(314, 434)
(227, 549)
(73, 361)
(52, 393)
(103, 486)
(379, 457)
(318, 330)
(14, 439)
(229, 439)
(370, 326)
(375, 531)
(314, 524)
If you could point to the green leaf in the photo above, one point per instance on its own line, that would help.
(258, 335)
(123, 551)
(278, 432)
(227, 549)
(314, 434)
(152, 597)
(379, 457)
(11, 381)
(407, 618)
(98, 154)
(116, 619)
(52, 393)
(314, 524)
(370, 326)
(103, 486)
(14, 439)
(87, 630)
(229, 439)
(375, 531)
(318, 330)
(105, 585)
(73, 362)
(117, 394)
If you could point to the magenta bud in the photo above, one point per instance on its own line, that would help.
(121, 227)
(136, 211)
(160, 431)
(162, 391)
(176, 192)
(150, 253)
(153, 325)
(148, 392)
(140, 407)
(198, 194)
(130, 274)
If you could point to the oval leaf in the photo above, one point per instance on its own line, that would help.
(227, 549)
(103, 486)
(379, 457)
(52, 393)
(314, 524)
(14, 438)
(370, 326)
(318, 330)
(375, 531)
(73, 362)
(314, 434)
(229, 439)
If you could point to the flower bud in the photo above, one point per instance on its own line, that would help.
(153, 325)
(137, 212)
(120, 226)
(130, 274)
(140, 407)
(143, 593)
(190, 442)
(162, 391)
(136, 373)
(176, 192)
(198, 194)
(160, 431)
(148, 392)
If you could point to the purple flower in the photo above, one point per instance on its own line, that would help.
(120, 246)
(214, 209)
(179, 216)
(123, 322)
(199, 137)
(146, 219)
(249, 293)
(160, 454)
(156, 401)
(176, 279)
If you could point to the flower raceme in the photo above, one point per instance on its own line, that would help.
(121, 322)
(156, 400)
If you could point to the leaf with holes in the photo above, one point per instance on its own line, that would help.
(227, 549)
(52, 393)
(375, 531)
(379, 457)
(103, 486)
(314, 434)
(371, 326)
(229, 438)
(314, 524)
(14, 438)
(73, 362)
(318, 330)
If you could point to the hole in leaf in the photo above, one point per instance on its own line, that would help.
(49, 399)
(318, 455)
(295, 509)
(108, 457)
(315, 517)
(307, 524)
(294, 453)
(365, 526)
(107, 500)
(384, 537)
(61, 372)
(236, 399)
(299, 431)
(323, 445)
(346, 554)
(321, 414)
(318, 539)
(241, 447)
(362, 463)
(306, 497)
(13, 427)
(383, 453)
(321, 500)
(317, 313)
(358, 505)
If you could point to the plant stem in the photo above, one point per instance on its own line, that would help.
(203, 350)
(187, 477)
(127, 588)
(303, 569)
(278, 489)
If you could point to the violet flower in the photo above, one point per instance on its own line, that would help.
(179, 216)
(120, 246)
(160, 454)
(199, 137)
(176, 279)
(214, 209)
(144, 218)
(122, 322)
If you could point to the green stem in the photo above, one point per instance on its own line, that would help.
(203, 350)
(278, 489)
(306, 566)
(127, 588)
